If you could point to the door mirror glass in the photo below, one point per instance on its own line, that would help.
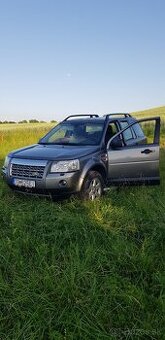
(116, 143)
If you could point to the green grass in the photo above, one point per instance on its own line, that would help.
(157, 111)
(13, 136)
(81, 270)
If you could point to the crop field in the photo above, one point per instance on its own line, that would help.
(77, 270)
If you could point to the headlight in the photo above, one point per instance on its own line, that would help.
(65, 166)
(7, 160)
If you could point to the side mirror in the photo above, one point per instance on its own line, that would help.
(116, 143)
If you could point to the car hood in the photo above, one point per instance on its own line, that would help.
(53, 152)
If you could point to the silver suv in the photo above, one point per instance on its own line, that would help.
(85, 154)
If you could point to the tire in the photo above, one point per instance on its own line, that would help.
(92, 187)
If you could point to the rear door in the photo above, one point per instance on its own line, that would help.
(137, 160)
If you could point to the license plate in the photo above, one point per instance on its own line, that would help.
(24, 183)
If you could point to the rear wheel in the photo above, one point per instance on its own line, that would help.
(92, 187)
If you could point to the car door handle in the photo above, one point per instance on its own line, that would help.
(146, 151)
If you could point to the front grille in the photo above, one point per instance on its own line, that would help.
(28, 171)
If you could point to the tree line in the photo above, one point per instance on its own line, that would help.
(24, 121)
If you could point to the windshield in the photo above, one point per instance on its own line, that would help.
(74, 133)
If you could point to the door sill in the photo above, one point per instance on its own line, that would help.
(135, 181)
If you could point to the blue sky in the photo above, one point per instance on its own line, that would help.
(72, 56)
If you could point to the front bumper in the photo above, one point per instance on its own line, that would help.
(51, 183)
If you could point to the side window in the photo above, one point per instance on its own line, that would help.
(111, 131)
(138, 130)
(127, 134)
(148, 131)
(143, 132)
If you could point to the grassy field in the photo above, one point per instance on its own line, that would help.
(157, 111)
(81, 270)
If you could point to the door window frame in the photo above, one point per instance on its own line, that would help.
(127, 127)
(156, 139)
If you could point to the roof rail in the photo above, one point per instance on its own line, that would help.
(91, 115)
(118, 114)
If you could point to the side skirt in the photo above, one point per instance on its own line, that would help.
(134, 181)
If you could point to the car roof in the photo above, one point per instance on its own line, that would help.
(95, 120)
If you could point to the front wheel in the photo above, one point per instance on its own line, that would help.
(92, 187)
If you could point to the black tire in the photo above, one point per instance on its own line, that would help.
(92, 187)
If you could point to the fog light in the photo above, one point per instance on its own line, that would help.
(63, 183)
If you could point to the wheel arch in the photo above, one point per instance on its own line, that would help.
(93, 167)
(101, 169)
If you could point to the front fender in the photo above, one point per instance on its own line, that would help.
(91, 164)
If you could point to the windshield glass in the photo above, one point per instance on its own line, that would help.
(74, 133)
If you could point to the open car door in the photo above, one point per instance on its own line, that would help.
(135, 161)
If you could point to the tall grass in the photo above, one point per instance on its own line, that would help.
(157, 111)
(149, 128)
(81, 270)
(13, 136)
